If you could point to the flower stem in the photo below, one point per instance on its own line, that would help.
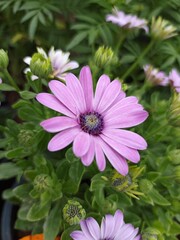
(121, 37)
(11, 80)
(135, 64)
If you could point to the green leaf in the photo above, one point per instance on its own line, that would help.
(15, 153)
(22, 191)
(27, 95)
(53, 222)
(9, 170)
(158, 198)
(33, 26)
(70, 156)
(77, 39)
(66, 234)
(16, 6)
(29, 15)
(38, 211)
(6, 87)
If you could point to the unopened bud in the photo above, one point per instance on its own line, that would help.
(104, 56)
(174, 111)
(4, 60)
(40, 65)
(161, 29)
(43, 182)
(174, 156)
(151, 234)
(73, 212)
(26, 137)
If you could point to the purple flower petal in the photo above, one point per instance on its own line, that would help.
(63, 95)
(109, 95)
(87, 85)
(81, 144)
(100, 158)
(75, 87)
(102, 84)
(128, 153)
(93, 228)
(78, 235)
(62, 139)
(52, 102)
(57, 124)
(117, 161)
(88, 158)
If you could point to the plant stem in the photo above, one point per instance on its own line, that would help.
(11, 80)
(121, 37)
(146, 50)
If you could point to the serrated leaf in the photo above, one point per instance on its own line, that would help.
(22, 191)
(9, 170)
(38, 212)
(77, 39)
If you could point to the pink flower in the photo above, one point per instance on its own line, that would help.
(174, 78)
(126, 21)
(112, 227)
(92, 122)
(155, 76)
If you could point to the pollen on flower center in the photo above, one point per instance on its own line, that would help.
(91, 122)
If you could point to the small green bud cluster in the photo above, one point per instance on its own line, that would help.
(151, 234)
(40, 66)
(73, 212)
(104, 56)
(43, 182)
(161, 29)
(26, 137)
(4, 60)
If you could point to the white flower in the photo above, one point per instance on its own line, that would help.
(60, 62)
(126, 20)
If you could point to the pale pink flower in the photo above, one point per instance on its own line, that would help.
(93, 122)
(112, 228)
(126, 20)
(155, 76)
(174, 78)
(60, 62)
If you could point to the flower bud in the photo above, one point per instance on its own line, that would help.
(26, 137)
(161, 29)
(151, 234)
(174, 156)
(174, 111)
(104, 56)
(4, 60)
(145, 185)
(43, 182)
(73, 212)
(127, 184)
(40, 65)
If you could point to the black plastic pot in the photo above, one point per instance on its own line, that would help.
(6, 222)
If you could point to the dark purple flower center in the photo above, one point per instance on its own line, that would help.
(91, 122)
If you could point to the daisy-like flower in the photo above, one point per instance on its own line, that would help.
(126, 20)
(174, 78)
(92, 122)
(155, 76)
(112, 228)
(60, 62)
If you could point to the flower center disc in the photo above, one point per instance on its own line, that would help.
(92, 123)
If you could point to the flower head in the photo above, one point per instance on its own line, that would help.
(162, 29)
(93, 123)
(112, 228)
(73, 212)
(155, 76)
(126, 20)
(174, 78)
(59, 60)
